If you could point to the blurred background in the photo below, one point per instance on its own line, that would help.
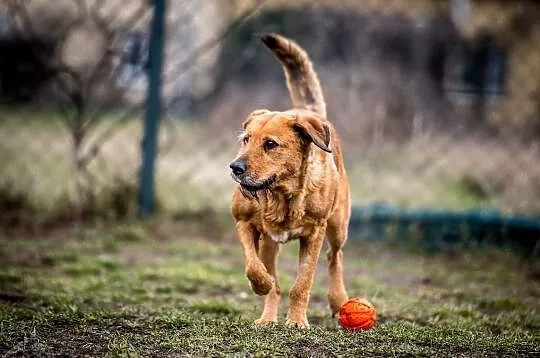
(437, 103)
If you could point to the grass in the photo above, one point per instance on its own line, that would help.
(160, 288)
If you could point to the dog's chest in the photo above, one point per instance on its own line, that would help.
(285, 236)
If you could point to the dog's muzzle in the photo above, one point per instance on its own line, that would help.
(240, 175)
(254, 186)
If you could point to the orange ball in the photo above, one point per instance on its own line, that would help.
(357, 314)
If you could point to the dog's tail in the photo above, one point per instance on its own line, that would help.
(302, 80)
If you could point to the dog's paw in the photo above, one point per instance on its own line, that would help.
(335, 301)
(261, 281)
(300, 323)
(263, 321)
(261, 287)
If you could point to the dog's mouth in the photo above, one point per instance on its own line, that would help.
(253, 186)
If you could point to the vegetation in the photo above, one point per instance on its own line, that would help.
(164, 288)
(38, 183)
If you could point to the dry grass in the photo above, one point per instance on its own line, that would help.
(445, 172)
(192, 169)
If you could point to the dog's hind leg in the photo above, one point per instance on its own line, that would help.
(336, 233)
(268, 252)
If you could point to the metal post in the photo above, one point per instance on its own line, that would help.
(153, 109)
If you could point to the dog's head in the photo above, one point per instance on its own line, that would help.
(274, 145)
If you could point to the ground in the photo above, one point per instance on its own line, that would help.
(163, 289)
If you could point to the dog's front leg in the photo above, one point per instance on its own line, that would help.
(310, 249)
(268, 252)
(261, 281)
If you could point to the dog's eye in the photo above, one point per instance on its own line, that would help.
(270, 144)
(245, 140)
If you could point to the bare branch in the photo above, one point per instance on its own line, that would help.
(211, 43)
(19, 9)
(102, 66)
(137, 13)
(97, 146)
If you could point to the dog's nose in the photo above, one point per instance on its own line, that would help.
(238, 167)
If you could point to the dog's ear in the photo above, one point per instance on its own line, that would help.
(246, 122)
(315, 129)
(253, 114)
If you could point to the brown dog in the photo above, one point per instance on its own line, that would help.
(292, 185)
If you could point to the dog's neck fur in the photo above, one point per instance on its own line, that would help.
(285, 204)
